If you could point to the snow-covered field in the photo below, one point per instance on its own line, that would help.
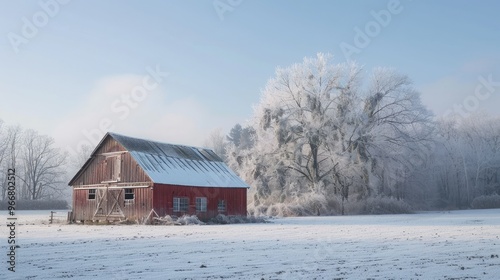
(437, 245)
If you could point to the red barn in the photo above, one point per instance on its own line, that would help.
(127, 178)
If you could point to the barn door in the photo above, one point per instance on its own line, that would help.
(108, 203)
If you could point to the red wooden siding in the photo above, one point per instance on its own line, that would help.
(83, 208)
(236, 200)
(99, 169)
(136, 209)
(110, 172)
(141, 206)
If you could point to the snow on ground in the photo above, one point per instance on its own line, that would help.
(437, 245)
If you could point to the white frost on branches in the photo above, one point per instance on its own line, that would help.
(321, 136)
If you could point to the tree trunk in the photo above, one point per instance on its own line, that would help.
(315, 165)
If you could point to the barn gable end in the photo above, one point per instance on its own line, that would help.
(109, 162)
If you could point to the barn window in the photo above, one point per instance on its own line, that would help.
(221, 207)
(201, 204)
(113, 168)
(92, 194)
(129, 194)
(181, 204)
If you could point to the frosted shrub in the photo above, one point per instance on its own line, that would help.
(334, 205)
(284, 210)
(317, 204)
(184, 220)
(292, 210)
(273, 210)
(254, 219)
(258, 210)
(486, 202)
(306, 205)
(354, 207)
(223, 219)
(167, 220)
(190, 220)
(238, 220)
(379, 205)
(313, 204)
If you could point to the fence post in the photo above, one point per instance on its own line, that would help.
(51, 217)
(70, 217)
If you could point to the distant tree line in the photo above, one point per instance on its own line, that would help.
(40, 204)
(40, 166)
(463, 166)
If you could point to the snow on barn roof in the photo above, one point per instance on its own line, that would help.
(180, 165)
(177, 164)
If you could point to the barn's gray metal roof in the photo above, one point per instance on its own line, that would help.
(180, 165)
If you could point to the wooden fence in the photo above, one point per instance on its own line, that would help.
(57, 216)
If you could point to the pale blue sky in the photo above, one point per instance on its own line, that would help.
(64, 80)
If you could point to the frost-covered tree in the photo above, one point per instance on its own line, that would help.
(42, 172)
(470, 161)
(297, 130)
(81, 156)
(40, 166)
(4, 144)
(9, 140)
(464, 164)
(395, 131)
(216, 142)
(247, 140)
(321, 135)
(480, 154)
(235, 135)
